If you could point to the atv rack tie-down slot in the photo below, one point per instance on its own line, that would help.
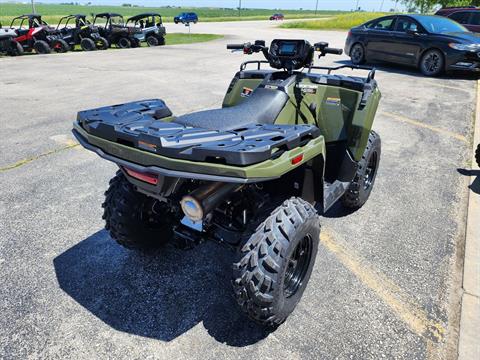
(145, 125)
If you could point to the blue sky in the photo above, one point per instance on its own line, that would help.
(268, 4)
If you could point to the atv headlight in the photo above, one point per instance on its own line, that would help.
(465, 47)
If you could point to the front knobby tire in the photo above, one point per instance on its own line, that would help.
(88, 44)
(274, 265)
(42, 47)
(361, 186)
(134, 220)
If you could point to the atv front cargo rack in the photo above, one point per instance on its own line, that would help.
(148, 125)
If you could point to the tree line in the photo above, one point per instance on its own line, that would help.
(426, 5)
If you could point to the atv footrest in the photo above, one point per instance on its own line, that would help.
(148, 125)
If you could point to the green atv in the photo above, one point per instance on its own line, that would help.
(286, 145)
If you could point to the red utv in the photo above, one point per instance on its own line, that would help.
(468, 16)
(35, 34)
(277, 17)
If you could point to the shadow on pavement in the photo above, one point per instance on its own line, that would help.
(159, 296)
(475, 185)
(338, 211)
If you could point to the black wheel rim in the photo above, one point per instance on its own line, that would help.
(357, 53)
(297, 267)
(432, 63)
(371, 171)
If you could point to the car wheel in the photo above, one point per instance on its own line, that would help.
(432, 63)
(124, 43)
(357, 54)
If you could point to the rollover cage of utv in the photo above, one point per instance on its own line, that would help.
(151, 28)
(77, 30)
(246, 175)
(112, 27)
(35, 34)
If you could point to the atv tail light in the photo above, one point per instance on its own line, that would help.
(145, 177)
(297, 159)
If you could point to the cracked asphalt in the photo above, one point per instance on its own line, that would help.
(387, 279)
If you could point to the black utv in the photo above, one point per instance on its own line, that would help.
(112, 27)
(77, 30)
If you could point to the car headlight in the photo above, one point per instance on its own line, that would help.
(465, 47)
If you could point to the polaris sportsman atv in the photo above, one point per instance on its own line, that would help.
(8, 44)
(115, 31)
(151, 28)
(246, 175)
(82, 33)
(35, 34)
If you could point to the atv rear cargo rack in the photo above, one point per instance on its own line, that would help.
(145, 132)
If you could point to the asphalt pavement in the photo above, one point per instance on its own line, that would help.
(387, 281)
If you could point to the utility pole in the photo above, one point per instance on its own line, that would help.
(381, 5)
(356, 7)
(239, 8)
(316, 8)
(33, 7)
(396, 3)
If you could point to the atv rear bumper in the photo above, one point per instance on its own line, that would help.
(147, 162)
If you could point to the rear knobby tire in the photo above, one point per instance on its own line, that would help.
(152, 40)
(88, 44)
(60, 46)
(101, 43)
(41, 47)
(16, 49)
(477, 155)
(124, 43)
(263, 278)
(134, 220)
(361, 186)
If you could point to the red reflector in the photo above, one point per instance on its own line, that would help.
(146, 177)
(297, 159)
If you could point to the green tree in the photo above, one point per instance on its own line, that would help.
(425, 6)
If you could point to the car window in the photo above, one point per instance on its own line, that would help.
(475, 19)
(381, 24)
(404, 24)
(460, 17)
(439, 24)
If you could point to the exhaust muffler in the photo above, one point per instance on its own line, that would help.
(206, 198)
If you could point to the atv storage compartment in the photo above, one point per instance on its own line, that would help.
(148, 125)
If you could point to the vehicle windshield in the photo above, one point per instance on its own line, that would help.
(439, 25)
(116, 20)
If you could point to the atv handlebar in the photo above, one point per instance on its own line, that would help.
(235, 46)
(333, 51)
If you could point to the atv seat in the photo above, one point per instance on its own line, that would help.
(261, 107)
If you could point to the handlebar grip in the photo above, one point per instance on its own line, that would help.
(235, 46)
(333, 51)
